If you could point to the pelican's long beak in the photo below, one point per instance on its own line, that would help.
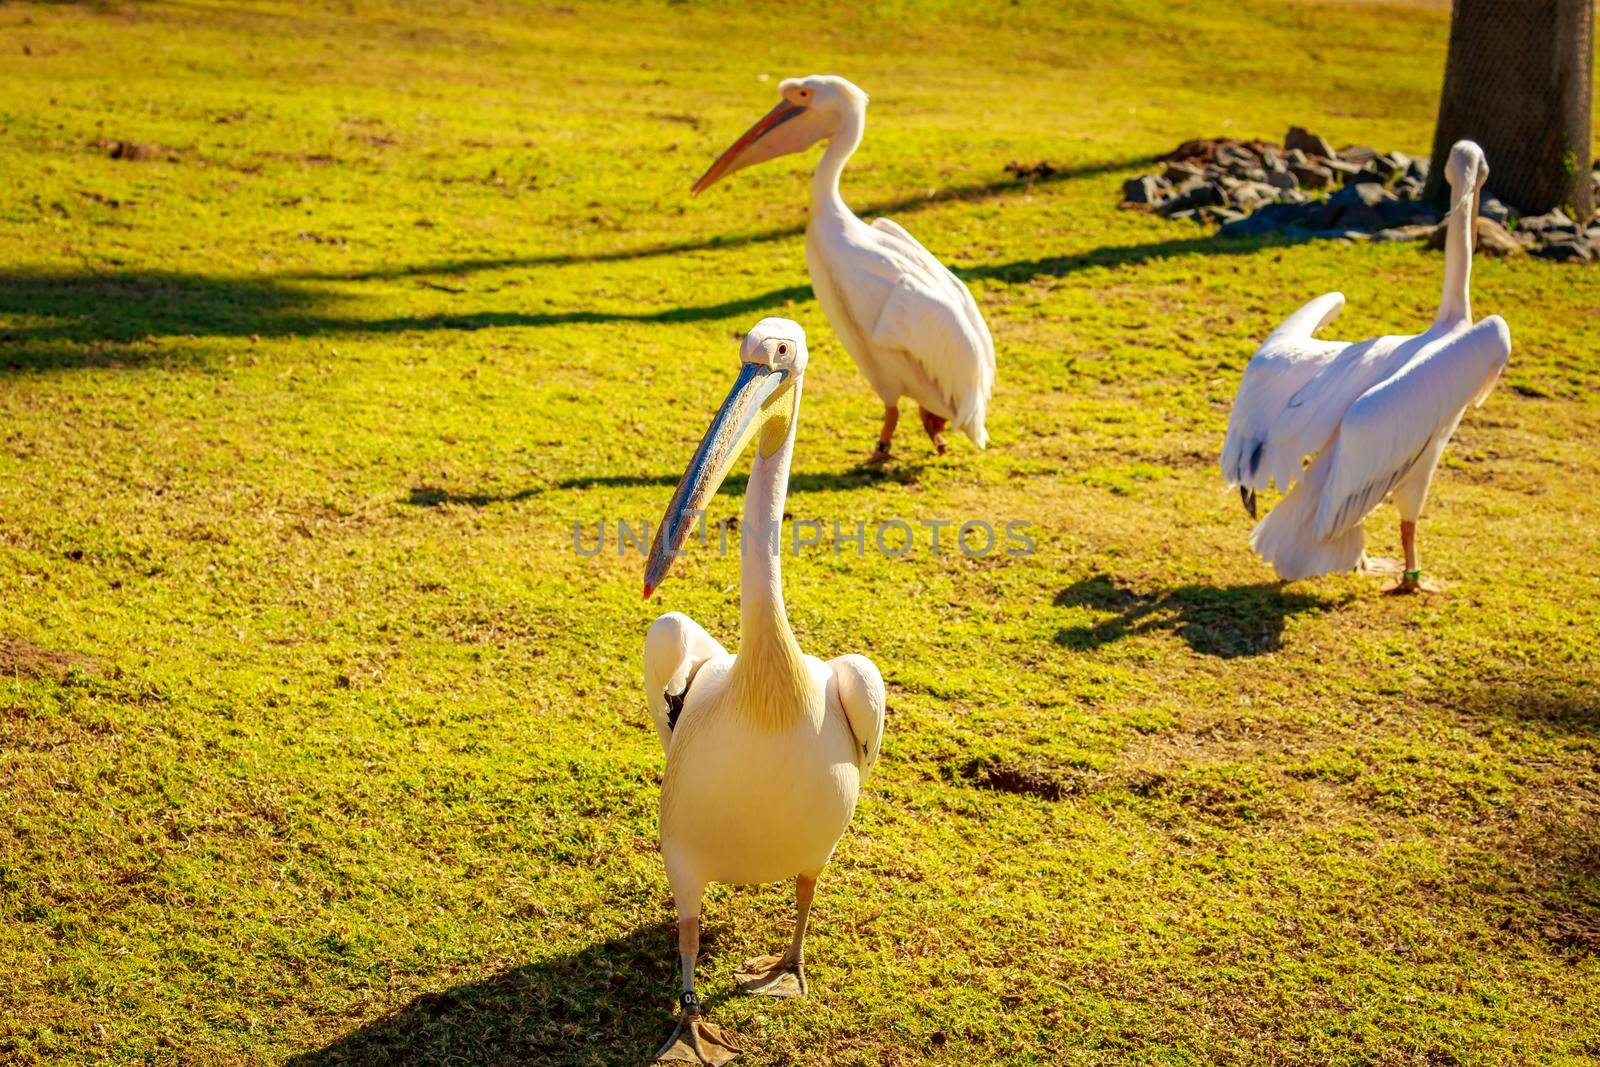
(786, 128)
(755, 397)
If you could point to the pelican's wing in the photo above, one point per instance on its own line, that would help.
(1390, 428)
(1265, 438)
(930, 315)
(857, 688)
(674, 649)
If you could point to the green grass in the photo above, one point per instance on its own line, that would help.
(318, 741)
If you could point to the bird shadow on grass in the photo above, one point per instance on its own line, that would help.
(1226, 622)
(430, 496)
(91, 318)
(610, 1003)
(68, 319)
(974, 191)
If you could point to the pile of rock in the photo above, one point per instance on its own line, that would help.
(1305, 188)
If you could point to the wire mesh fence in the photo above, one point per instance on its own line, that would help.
(1519, 82)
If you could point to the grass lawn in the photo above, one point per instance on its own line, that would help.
(320, 743)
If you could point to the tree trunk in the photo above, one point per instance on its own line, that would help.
(1518, 81)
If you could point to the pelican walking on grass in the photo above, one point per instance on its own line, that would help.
(1376, 415)
(908, 322)
(767, 749)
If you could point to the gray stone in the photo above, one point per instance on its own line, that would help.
(1312, 175)
(1255, 225)
(1180, 202)
(1361, 217)
(1284, 214)
(1407, 213)
(1307, 142)
(1251, 195)
(1490, 208)
(1274, 162)
(1324, 216)
(1417, 171)
(1180, 172)
(1493, 239)
(1282, 179)
(1553, 220)
(1365, 193)
(1402, 233)
(1567, 252)
(1294, 157)
(1358, 153)
(1229, 155)
(1390, 164)
(1142, 190)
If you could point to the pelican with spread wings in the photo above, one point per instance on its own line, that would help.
(1374, 415)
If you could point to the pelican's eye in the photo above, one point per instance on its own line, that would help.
(783, 350)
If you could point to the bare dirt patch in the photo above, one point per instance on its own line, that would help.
(1018, 779)
(20, 658)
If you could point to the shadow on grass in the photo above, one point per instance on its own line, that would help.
(72, 319)
(611, 1003)
(431, 496)
(1242, 620)
(121, 308)
(976, 191)
(1570, 705)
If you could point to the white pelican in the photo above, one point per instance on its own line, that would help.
(1376, 415)
(766, 750)
(911, 325)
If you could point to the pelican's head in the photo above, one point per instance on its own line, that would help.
(1466, 170)
(812, 108)
(762, 403)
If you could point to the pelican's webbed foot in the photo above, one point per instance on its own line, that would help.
(697, 1041)
(772, 976)
(1412, 582)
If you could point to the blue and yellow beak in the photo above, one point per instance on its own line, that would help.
(755, 397)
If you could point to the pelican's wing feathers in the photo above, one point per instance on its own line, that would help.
(1263, 443)
(856, 687)
(930, 315)
(675, 647)
(1393, 424)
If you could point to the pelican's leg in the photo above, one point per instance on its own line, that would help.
(785, 975)
(935, 427)
(1411, 575)
(694, 1040)
(891, 419)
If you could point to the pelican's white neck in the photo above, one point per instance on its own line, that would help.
(842, 145)
(1455, 304)
(769, 670)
